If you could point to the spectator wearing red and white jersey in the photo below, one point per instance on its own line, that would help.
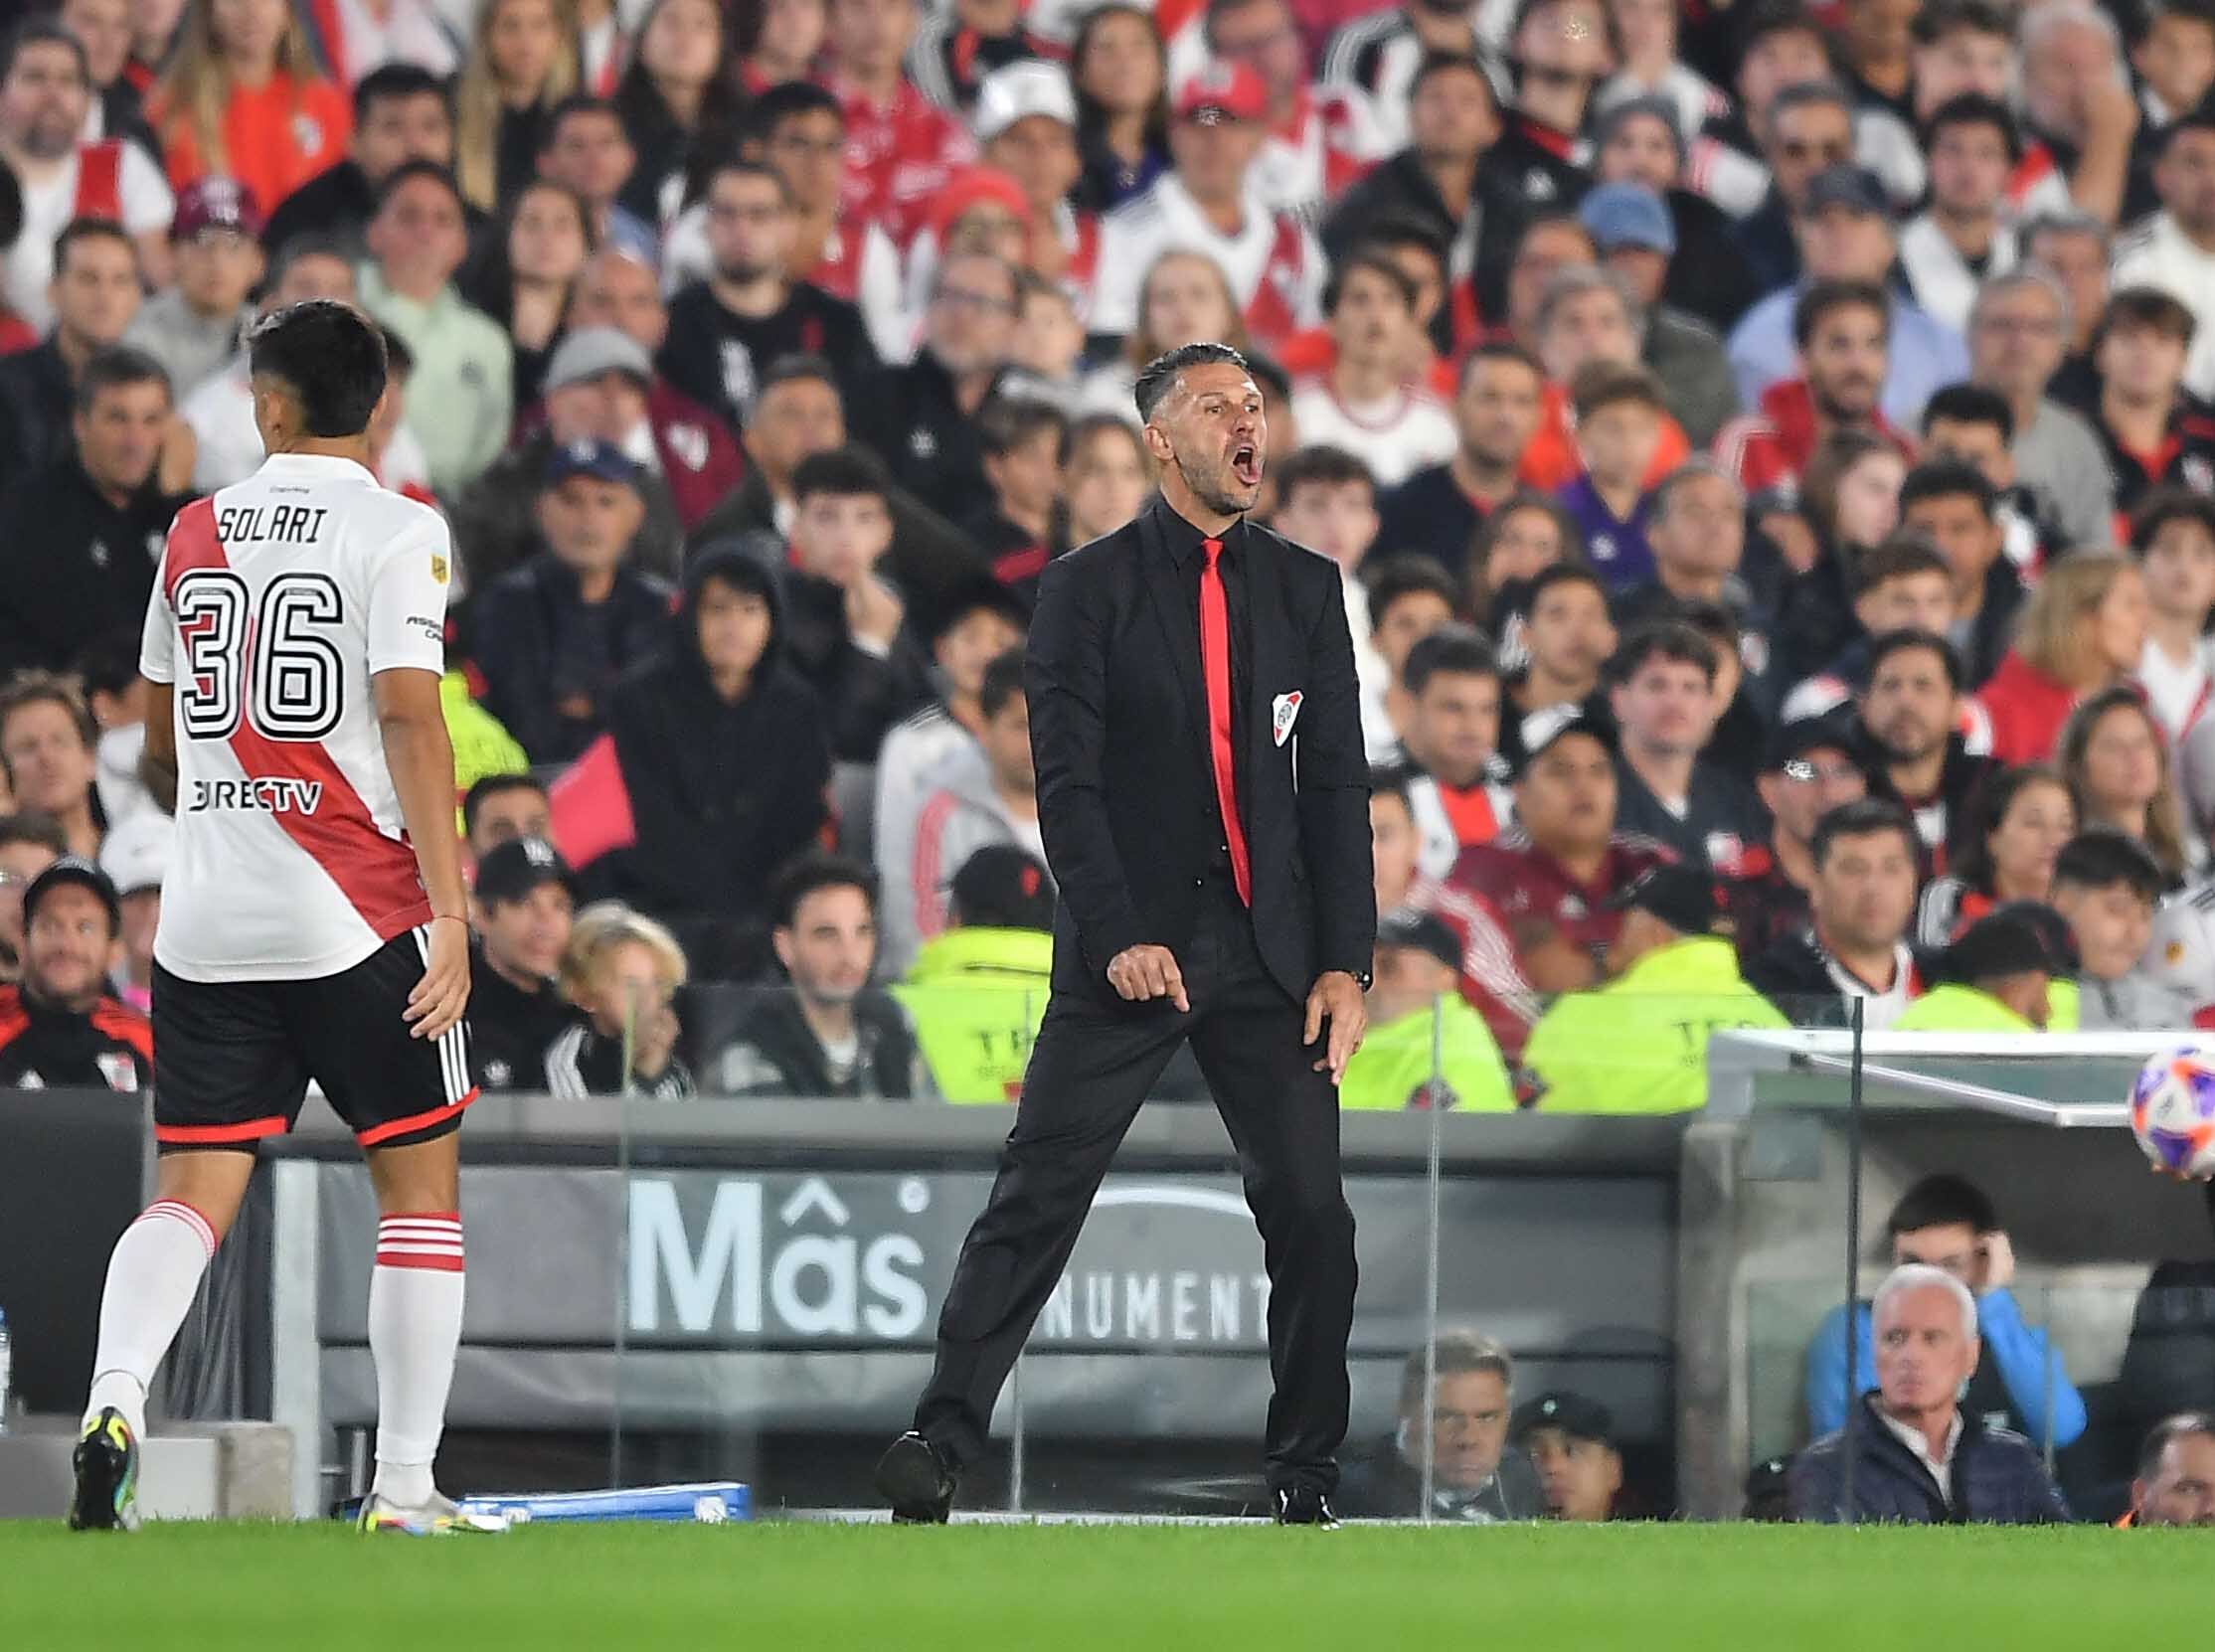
(1363, 404)
(1550, 880)
(62, 1027)
(677, 97)
(1321, 140)
(1451, 700)
(1842, 330)
(961, 45)
(2153, 435)
(1026, 119)
(1209, 204)
(901, 148)
(241, 96)
(1859, 866)
(356, 38)
(45, 91)
(106, 29)
(981, 795)
(1381, 55)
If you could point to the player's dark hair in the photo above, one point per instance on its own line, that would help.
(1814, 304)
(1974, 109)
(1948, 479)
(494, 785)
(2166, 505)
(1863, 818)
(2099, 857)
(1320, 466)
(1159, 375)
(1897, 557)
(407, 172)
(1374, 260)
(113, 368)
(1967, 403)
(394, 82)
(2166, 1432)
(849, 472)
(816, 869)
(1908, 637)
(1001, 683)
(1406, 573)
(330, 356)
(1664, 639)
(47, 688)
(81, 230)
(42, 31)
(1006, 422)
(1943, 1201)
(781, 103)
(28, 827)
(1453, 649)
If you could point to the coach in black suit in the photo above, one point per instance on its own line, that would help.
(1204, 800)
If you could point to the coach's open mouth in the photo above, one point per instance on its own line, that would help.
(1245, 465)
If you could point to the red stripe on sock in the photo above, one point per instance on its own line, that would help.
(430, 1265)
(176, 1210)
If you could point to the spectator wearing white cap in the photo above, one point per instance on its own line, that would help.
(193, 328)
(135, 858)
(1636, 239)
(1210, 202)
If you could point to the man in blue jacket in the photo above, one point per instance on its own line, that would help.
(1948, 1222)
(1918, 1456)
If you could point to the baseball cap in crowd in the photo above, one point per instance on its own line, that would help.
(1793, 742)
(1223, 92)
(1628, 215)
(215, 204)
(1018, 90)
(1572, 1414)
(1660, 108)
(1855, 188)
(135, 854)
(1684, 897)
(73, 869)
(592, 351)
(603, 459)
(1423, 932)
(1002, 887)
(2007, 941)
(1549, 723)
(512, 869)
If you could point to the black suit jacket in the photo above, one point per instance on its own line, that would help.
(1126, 790)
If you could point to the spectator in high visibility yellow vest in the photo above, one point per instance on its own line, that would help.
(1414, 1011)
(976, 991)
(1638, 1044)
(1997, 978)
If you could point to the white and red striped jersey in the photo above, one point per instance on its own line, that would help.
(113, 179)
(1331, 142)
(1273, 262)
(276, 601)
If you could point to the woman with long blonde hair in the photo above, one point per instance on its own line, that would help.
(242, 99)
(522, 61)
(2115, 757)
(2081, 630)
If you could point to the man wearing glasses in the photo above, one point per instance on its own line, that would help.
(919, 418)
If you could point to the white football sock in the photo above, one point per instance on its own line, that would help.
(414, 1327)
(153, 1276)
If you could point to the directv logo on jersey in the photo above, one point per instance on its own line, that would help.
(265, 796)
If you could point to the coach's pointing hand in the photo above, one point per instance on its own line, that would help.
(1336, 997)
(443, 992)
(1143, 972)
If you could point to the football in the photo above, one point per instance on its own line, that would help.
(2172, 1112)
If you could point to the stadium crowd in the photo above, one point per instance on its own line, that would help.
(1765, 446)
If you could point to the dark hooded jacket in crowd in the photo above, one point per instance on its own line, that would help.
(863, 694)
(722, 792)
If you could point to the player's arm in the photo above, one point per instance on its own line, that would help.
(421, 758)
(157, 758)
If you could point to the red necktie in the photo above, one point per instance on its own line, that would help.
(1215, 666)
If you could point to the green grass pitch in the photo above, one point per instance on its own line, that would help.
(1071, 1588)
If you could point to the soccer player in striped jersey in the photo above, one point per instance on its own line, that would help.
(313, 923)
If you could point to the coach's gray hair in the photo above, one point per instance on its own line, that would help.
(2035, 275)
(1579, 279)
(1921, 1276)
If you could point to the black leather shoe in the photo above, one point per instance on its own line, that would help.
(919, 1480)
(1303, 1506)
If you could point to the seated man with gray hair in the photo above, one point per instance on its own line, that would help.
(1917, 1457)
(1475, 1475)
